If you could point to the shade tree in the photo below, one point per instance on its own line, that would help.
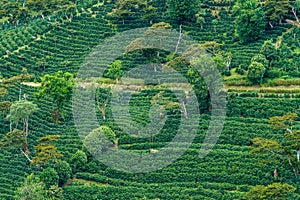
(22, 111)
(100, 140)
(46, 151)
(33, 188)
(256, 72)
(133, 9)
(59, 87)
(250, 21)
(279, 191)
(287, 149)
(276, 10)
(183, 11)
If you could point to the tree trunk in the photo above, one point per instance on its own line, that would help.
(116, 144)
(55, 114)
(295, 14)
(26, 128)
(25, 155)
(290, 163)
(298, 155)
(179, 39)
(20, 91)
(27, 152)
(184, 110)
(271, 25)
(17, 123)
(154, 67)
(228, 63)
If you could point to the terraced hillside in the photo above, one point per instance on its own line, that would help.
(229, 171)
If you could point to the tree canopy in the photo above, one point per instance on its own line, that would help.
(59, 87)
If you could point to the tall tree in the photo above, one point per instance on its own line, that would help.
(18, 81)
(21, 111)
(4, 105)
(46, 151)
(59, 87)
(256, 72)
(250, 22)
(32, 189)
(269, 50)
(133, 9)
(288, 149)
(13, 139)
(151, 43)
(295, 10)
(182, 11)
(260, 58)
(276, 9)
(114, 70)
(100, 140)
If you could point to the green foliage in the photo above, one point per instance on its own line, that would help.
(63, 170)
(276, 9)
(269, 50)
(59, 87)
(78, 161)
(46, 151)
(13, 139)
(133, 9)
(233, 172)
(109, 134)
(220, 62)
(54, 193)
(17, 12)
(287, 149)
(200, 17)
(275, 191)
(283, 122)
(49, 177)
(182, 11)
(100, 139)
(256, 72)
(32, 189)
(262, 145)
(21, 111)
(114, 70)
(250, 22)
(260, 58)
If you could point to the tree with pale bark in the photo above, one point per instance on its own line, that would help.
(288, 149)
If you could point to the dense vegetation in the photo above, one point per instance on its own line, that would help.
(255, 46)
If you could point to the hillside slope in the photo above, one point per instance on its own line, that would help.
(228, 172)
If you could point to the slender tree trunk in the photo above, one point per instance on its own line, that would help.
(55, 114)
(228, 63)
(295, 14)
(184, 110)
(27, 152)
(17, 123)
(290, 163)
(271, 25)
(26, 128)
(20, 91)
(298, 155)
(179, 39)
(25, 155)
(116, 144)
